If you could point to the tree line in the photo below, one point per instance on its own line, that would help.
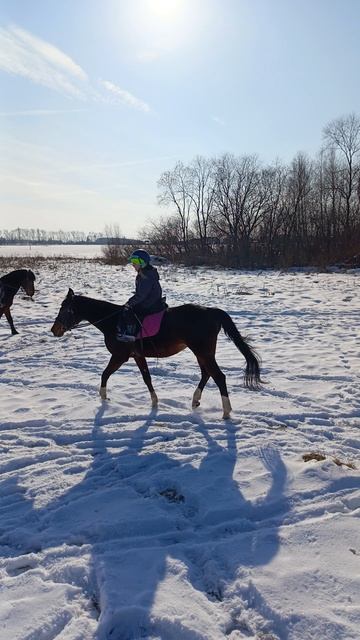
(41, 236)
(233, 210)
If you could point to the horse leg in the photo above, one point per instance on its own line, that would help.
(114, 364)
(10, 320)
(144, 370)
(219, 378)
(199, 389)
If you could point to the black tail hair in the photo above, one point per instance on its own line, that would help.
(252, 378)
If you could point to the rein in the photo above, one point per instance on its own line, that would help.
(82, 324)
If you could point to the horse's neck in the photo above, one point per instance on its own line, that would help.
(13, 280)
(97, 312)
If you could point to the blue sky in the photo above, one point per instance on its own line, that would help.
(99, 97)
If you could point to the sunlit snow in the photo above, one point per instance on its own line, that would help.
(121, 523)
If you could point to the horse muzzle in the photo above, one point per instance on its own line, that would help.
(57, 329)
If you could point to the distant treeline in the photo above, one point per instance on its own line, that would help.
(41, 237)
(233, 210)
(236, 211)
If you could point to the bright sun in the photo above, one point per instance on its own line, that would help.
(159, 25)
(163, 9)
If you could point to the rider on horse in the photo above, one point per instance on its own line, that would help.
(147, 298)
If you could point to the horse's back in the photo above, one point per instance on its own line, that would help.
(192, 319)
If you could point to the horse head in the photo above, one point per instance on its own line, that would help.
(27, 283)
(67, 318)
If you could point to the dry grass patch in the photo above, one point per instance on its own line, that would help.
(340, 463)
(10, 263)
(318, 457)
(313, 455)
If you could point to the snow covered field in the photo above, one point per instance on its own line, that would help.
(50, 250)
(118, 522)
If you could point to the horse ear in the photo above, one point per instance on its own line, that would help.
(70, 293)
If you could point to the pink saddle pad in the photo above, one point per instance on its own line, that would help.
(151, 325)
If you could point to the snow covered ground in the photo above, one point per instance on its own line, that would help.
(50, 250)
(118, 522)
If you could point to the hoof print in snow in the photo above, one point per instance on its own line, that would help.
(16, 571)
(215, 594)
(241, 626)
(172, 495)
(96, 605)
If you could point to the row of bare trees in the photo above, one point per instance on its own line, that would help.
(41, 236)
(234, 210)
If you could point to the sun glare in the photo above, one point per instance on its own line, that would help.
(158, 26)
(163, 9)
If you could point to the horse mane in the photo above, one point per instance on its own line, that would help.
(17, 273)
(106, 305)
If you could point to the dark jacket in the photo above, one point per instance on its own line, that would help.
(148, 291)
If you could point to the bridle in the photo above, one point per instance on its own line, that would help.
(66, 317)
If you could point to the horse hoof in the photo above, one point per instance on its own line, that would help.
(195, 405)
(102, 392)
(154, 400)
(226, 407)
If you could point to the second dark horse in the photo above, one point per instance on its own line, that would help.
(9, 286)
(189, 326)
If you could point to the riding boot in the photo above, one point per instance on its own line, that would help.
(127, 327)
(128, 334)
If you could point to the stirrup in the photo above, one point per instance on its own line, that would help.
(124, 337)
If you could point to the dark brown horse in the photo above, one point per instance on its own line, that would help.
(189, 326)
(9, 286)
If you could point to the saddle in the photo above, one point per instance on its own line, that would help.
(151, 325)
(131, 327)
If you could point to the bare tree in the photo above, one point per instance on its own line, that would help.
(165, 236)
(114, 252)
(175, 191)
(202, 196)
(239, 203)
(343, 135)
(274, 180)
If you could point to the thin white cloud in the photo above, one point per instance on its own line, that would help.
(125, 97)
(39, 112)
(44, 189)
(218, 120)
(23, 54)
(109, 165)
(50, 53)
(147, 56)
(40, 191)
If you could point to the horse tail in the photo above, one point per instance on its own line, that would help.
(252, 378)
